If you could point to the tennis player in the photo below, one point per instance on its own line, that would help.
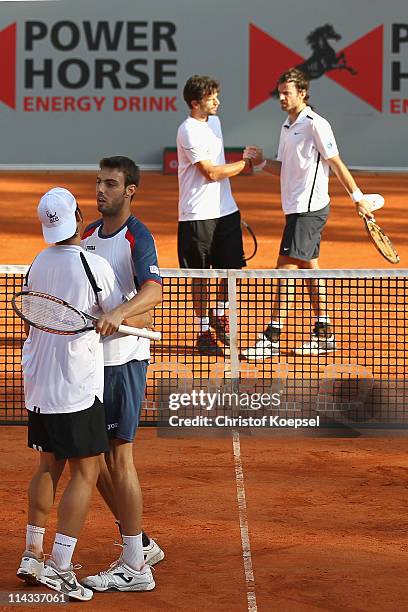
(129, 247)
(209, 230)
(307, 151)
(63, 386)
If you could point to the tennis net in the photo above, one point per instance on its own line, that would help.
(356, 374)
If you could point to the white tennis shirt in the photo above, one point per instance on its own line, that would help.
(132, 254)
(304, 147)
(200, 198)
(65, 373)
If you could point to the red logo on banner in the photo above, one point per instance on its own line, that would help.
(358, 67)
(8, 65)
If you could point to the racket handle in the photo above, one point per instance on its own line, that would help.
(142, 333)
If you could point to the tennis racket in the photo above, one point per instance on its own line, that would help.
(50, 314)
(381, 241)
(249, 241)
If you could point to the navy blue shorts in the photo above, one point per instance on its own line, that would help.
(124, 391)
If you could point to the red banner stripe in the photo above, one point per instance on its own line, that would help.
(8, 38)
(268, 59)
(365, 55)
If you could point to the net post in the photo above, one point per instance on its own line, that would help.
(233, 317)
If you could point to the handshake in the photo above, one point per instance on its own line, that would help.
(255, 154)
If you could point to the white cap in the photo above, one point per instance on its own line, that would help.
(56, 212)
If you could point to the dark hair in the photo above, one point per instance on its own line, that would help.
(124, 164)
(198, 87)
(299, 78)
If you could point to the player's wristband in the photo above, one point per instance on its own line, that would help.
(357, 195)
(260, 166)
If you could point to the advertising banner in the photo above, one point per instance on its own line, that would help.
(80, 79)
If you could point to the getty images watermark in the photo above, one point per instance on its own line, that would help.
(222, 409)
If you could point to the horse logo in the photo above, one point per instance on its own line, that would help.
(324, 57)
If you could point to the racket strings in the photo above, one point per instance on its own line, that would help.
(382, 242)
(381, 239)
(45, 313)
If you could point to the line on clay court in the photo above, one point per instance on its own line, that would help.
(243, 523)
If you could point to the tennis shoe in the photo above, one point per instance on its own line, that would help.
(263, 349)
(152, 553)
(151, 550)
(31, 568)
(221, 327)
(318, 345)
(64, 581)
(121, 577)
(206, 344)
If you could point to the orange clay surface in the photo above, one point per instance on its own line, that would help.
(344, 242)
(326, 516)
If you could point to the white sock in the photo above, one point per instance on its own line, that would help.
(203, 323)
(323, 319)
(34, 538)
(276, 324)
(63, 550)
(133, 551)
(221, 308)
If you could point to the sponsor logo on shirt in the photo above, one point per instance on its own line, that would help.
(154, 270)
(90, 247)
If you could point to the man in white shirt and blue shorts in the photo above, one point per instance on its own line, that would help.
(129, 247)
(209, 230)
(307, 151)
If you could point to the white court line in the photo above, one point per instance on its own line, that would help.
(243, 523)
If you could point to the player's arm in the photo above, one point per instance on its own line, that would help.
(223, 171)
(149, 294)
(190, 142)
(134, 312)
(346, 179)
(143, 320)
(272, 166)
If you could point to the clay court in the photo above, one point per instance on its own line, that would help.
(326, 517)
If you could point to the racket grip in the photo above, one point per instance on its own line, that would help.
(142, 333)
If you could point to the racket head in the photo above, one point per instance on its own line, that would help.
(249, 240)
(381, 241)
(376, 201)
(49, 313)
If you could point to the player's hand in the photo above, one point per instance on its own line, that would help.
(108, 323)
(364, 209)
(255, 153)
